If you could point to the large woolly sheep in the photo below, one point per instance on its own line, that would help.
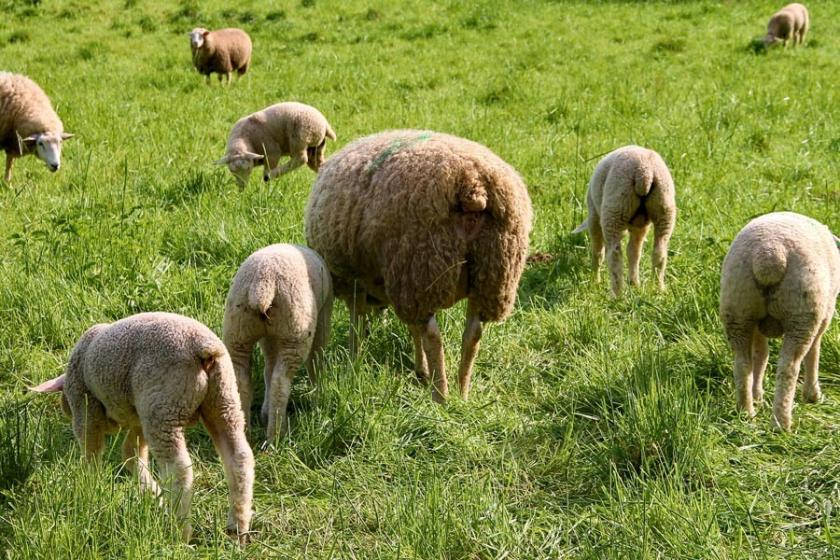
(788, 24)
(781, 277)
(282, 298)
(419, 220)
(28, 123)
(223, 52)
(630, 189)
(154, 374)
(284, 129)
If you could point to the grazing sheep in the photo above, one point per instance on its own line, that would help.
(282, 298)
(155, 374)
(781, 277)
(419, 220)
(28, 123)
(630, 189)
(222, 51)
(788, 24)
(284, 129)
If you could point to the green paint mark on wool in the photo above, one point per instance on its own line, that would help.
(394, 147)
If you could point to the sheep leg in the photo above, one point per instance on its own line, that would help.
(135, 452)
(220, 415)
(7, 176)
(269, 351)
(297, 159)
(760, 353)
(433, 346)
(421, 365)
(315, 360)
(169, 446)
(794, 348)
(207, 79)
(662, 231)
(615, 258)
(229, 77)
(358, 318)
(811, 384)
(634, 251)
(597, 238)
(89, 424)
(240, 355)
(470, 342)
(741, 341)
(281, 388)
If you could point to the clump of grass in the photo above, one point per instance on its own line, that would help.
(669, 45)
(275, 15)
(20, 36)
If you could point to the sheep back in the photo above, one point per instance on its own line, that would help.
(24, 110)
(422, 219)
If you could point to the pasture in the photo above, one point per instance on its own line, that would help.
(595, 429)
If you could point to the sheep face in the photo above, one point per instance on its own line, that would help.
(47, 147)
(197, 37)
(241, 165)
(771, 41)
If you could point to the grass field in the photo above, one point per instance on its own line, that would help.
(596, 428)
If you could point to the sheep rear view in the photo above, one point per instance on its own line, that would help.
(282, 298)
(630, 189)
(790, 24)
(154, 374)
(28, 123)
(222, 52)
(420, 220)
(781, 277)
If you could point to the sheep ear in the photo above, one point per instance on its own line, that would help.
(51, 386)
(205, 33)
(224, 161)
(253, 157)
(29, 139)
(66, 135)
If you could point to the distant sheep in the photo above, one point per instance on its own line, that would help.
(154, 374)
(781, 277)
(788, 24)
(28, 123)
(282, 298)
(284, 129)
(223, 52)
(420, 220)
(630, 189)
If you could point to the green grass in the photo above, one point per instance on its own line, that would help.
(596, 428)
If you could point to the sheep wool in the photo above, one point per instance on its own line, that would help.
(28, 123)
(781, 277)
(222, 52)
(282, 298)
(419, 220)
(630, 189)
(790, 24)
(154, 374)
(284, 129)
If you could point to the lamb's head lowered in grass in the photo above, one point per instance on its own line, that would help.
(241, 165)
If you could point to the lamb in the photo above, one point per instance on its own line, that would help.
(154, 374)
(630, 189)
(28, 123)
(781, 277)
(282, 298)
(222, 51)
(289, 128)
(788, 24)
(419, 220)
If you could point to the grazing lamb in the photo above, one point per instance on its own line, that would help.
(781, 277)
(420, 220)
(284, 129)
(630, 189)
(222, 51)
(28, 123)
(788, 24)
(282, 298)
(154, 374)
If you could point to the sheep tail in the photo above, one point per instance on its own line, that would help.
(472, 195)
(582, 227)
(261, 291)
(52, 386)
(769, 264)
(643, 179)
(330, 133)
(208, 351)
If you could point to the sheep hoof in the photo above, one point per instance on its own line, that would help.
(810, 396)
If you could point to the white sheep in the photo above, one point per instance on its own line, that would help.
(788, 24)
(289, 128)
(780, 277)
(222, 51)
(630, 189)
(154, 374)
(28, 123)
(282, 298)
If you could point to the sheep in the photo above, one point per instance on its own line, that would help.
(154, 374)
(419, 220)
(222, 51)
(289, 128)
(781, 277)
(630, 189)
(282, 298)
(788, 24)
(28, 123)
